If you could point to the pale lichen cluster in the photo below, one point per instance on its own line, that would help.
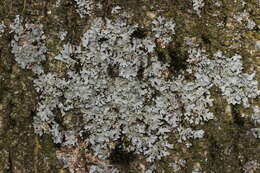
(118, 91)
(28, 45)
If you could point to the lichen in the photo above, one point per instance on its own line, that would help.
(117, 90)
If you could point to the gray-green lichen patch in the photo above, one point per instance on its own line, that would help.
(18, 146)
(188, 102)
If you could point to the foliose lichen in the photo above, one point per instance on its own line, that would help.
(117, 91)
(28, 45)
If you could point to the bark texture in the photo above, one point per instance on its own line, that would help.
(227, 147)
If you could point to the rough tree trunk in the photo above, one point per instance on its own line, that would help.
(227, 146)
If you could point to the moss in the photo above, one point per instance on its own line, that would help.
(121, 157)
(178, 56)
(124, 160)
